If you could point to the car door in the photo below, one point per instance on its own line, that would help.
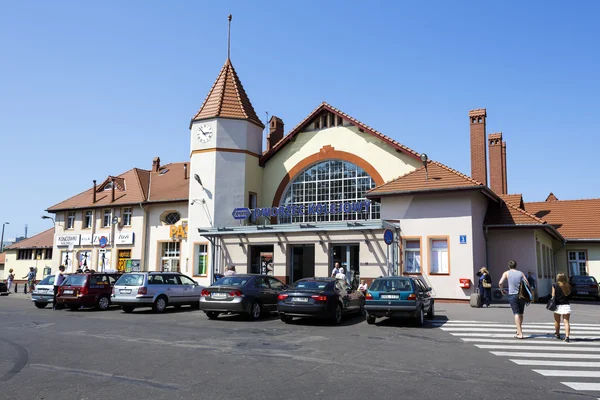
(263, 291)
(174, 288)
(191, 289)
(422, 293)
(344, 296)
(276, 287)
(353, 295)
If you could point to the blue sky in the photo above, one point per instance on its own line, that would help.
(90, 89)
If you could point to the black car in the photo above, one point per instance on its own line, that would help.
(584, 286)
(241, 294)
(3, 289)
(325, 298)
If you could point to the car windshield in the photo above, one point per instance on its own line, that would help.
(75, 280)
(49, 280)
(232, 281)
(386, 285)
(585, 280)
(317, 285)
(131, 280)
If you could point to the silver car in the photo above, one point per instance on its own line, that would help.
(43, 294)
(155, 289)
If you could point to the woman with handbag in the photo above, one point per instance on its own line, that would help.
(561, 292)
(485, 286)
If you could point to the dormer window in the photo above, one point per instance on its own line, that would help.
(109, 185)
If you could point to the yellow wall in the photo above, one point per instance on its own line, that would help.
(21, 267)
(593, 257)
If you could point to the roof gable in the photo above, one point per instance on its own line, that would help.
(227, 99)
(324, 107)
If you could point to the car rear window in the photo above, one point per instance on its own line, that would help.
(317, 285)
(131, 280)
(49, 280)
(76, 280)
(384, 285)
(232, 281)
(585, 279)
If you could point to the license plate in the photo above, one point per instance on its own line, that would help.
(582, 292)
(125, 291)
(390, 296)
(68, 292)
(218, 295)
(42, 290)
(300, 299)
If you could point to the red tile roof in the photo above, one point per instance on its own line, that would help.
(507, 213)
(2, 257)
(516, 199)
(551, 197)
(574, 219)
(171, 185)
(40, 241)
(227, 99)
(326, 107)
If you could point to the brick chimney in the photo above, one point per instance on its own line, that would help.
(275, 132)
(94, 191)
(155, 164)
(478, 148)
(496, 163)
(504, 176)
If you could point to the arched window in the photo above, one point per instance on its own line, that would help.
(327, 183)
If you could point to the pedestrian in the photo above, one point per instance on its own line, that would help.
(30, 279)
(561, 291)
(58, 280)
(79, 271)
(362, 287)
(340, 275)
(514, 277)
(532, 285)
(335, 270)
(230, 271)
(485, 286)
(9, 279)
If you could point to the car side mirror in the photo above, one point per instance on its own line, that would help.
(429, 289)
(285, 287)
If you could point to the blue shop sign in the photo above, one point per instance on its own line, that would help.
(302, 209)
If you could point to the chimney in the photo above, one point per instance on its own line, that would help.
(478, 148)
(185, 175)
(504, 176)
(155, 164)
(113, 188)
(496, 164)
(94, 191)
(275, 132)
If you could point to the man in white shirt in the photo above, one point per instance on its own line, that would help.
(58, 280)
(230, 271)
(335, 270)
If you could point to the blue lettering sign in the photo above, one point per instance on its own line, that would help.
(241, 213)
(296, 210)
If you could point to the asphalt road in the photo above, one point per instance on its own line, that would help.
(88, 355)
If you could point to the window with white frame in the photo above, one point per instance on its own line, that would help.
(577, 262)
(87, 219)
(171, 249)
(106, 218)
(412, 256)
(127, 211)
(439, 256)
(201, 260)
(70, 220)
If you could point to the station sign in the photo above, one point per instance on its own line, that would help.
(68, 240)
(302, 209)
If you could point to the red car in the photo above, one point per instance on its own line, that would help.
(87, 290)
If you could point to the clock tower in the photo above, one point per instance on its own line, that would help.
(226, 144)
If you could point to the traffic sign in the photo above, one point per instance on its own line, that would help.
(388, 236)
(103, 241)
(463, 239)
(241, 213)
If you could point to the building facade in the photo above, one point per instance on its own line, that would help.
(35, 251)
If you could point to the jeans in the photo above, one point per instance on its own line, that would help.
(518, 306)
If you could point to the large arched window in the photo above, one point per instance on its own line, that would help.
(329, 185)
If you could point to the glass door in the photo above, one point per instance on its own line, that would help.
(347, 255)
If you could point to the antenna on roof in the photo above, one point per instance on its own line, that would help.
(228, 36)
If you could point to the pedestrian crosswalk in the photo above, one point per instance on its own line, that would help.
(575, 364)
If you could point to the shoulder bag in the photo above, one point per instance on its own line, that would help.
(486, 284)
(524, 293)
(551, 306)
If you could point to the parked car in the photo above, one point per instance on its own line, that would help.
(325, 298)
(43, 294)
(399, 297)
(584, 286)
(3, 289)
(87, 290)
(241, 294)
(158, 290)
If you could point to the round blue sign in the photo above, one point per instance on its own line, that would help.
(388, 236)
(103, 241)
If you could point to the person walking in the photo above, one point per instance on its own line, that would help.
(341, 275)
(58, 280)
(9, 279)
(30, 279)
(485, 286)
(363, 287)
(532, 285)
(561, 291)
(514, 277)
(335, 270)
(230, 271)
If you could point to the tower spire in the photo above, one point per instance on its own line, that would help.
(229, 36)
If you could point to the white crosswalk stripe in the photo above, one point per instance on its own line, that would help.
(571, 363)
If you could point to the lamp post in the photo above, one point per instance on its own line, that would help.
(49, 217)
(2, 239)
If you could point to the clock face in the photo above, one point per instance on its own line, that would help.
(204, 133)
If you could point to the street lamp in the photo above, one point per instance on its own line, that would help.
(49, 217)
(2, 239)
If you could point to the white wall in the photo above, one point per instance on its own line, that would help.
(159, 232)
(510, 244)
(479, 206)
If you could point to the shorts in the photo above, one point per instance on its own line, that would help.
(563, 309)
(518, 306)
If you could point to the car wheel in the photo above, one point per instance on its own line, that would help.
(212, 314)
(255, 310)
(127, 309)
(362, 308)
(286, 319)
(103, 303)
(420, 319)
(160, 304)
(431, 312)
(40, 305)
(371, 319)
(337, 315)
(73, 308)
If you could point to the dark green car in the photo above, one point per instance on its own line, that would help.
(399, 297)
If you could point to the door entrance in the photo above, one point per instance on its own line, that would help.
(347, 256)
(303, 262)
(261, 260)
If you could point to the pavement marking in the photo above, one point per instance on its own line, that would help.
(544, 363)
(513, 329)
(543, 355)
(539, 347)
(525, 326)
(566, 373)
(512, 335)
(532, 342)
(583, 385)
